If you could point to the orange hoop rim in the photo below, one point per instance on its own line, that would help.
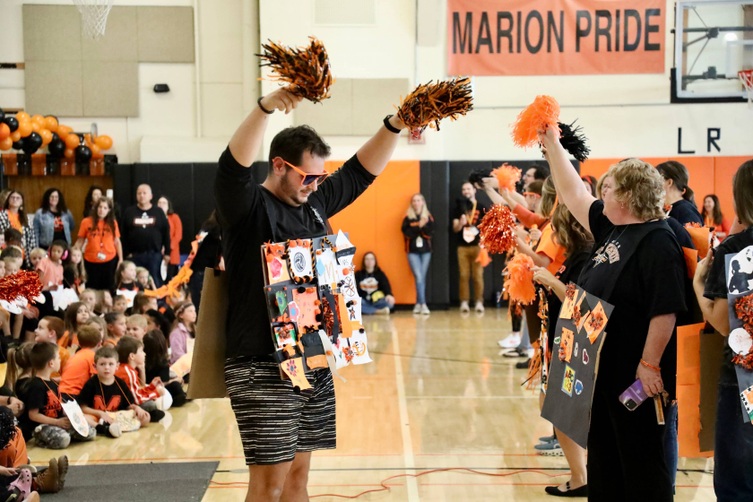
(746, 76)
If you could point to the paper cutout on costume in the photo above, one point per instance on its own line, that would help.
(359, 346)
(276, 268)
(293, 368)
(307, 300)
(557, 340)
(346, 324)
(326, 267)
(740, 341)
(330, 353)
(182, 366)
(595, 322)
(299, 260)
(282, 301)
(128, 294)
(566, 345)
(747, 398)
(568, 380)
(585, 357)
(575, 350)
(739, 277)
(571, 298)
(285, 334)
(293, 311)
(578, 387)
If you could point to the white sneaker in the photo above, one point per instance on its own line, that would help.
(511, 341)
(464, 308)
(417, 309)
(384, 311)
(425, 310)
(479, 307)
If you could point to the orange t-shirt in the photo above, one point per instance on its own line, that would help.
(78, 371)
(100, 241)
(549, 248)
(15, 221)
(64, 357)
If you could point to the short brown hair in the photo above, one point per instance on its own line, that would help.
(55, 324)
(41, 354)
(742, 193)
(88, 336)
(639, 185)
(127, 346)
(105, 352)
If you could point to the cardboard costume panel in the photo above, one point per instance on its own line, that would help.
(313, 305)
(578, 339)
(739, 275)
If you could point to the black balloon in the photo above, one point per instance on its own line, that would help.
(32, 142)
(18, 145)
(12, 122)
(55, 136)
(83, 153)
(56, 147)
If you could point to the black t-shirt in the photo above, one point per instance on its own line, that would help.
(685, 212)
(567, 273)
(143, 231)
(650, 284)
(682, 235)
(412, 232)
(58, 228)
(246, 226)
(103, 397)
(39, 395)
(716, 287)
(465, 207)
(373, 282)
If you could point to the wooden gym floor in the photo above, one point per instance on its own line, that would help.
(437, 396)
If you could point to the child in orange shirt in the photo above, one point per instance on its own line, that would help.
(81, 366)
(75, 317)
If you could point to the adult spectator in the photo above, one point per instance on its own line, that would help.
(713, 217)
(146, 234)
(92, 196)
(679, 194)
(418, 227)
(468, 214)
(53, 221)
(373, 287)
(99, 237)
(176, 235)
(14, 216)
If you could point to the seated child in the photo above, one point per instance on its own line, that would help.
(36, 255)
(100, 324)
(119, 304)
(143, 302)
(80, 367)
(183, 333)
(50, 268)
(50, 329)
(116, 328)
(104, 302)
(105, 394)
(132, 361)
(43, 417)
(136, 325)
(76, 316)
(89, 298)
(157, 365)
(144, 279)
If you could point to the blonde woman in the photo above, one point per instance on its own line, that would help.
(418, 226)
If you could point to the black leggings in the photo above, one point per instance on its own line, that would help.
(101, 275)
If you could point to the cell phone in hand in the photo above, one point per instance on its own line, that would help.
(633, 396)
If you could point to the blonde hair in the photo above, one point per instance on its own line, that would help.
(568, 233)
(548, 197)
(640, 186)
(37, 252)
(411, 213)
(138, 320)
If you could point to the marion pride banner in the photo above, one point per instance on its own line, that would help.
(555, 37)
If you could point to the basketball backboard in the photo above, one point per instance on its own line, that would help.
(713, 41)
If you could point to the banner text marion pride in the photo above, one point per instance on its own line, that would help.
(555, 37)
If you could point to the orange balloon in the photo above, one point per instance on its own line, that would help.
(69, 153)
(104, 142)
(39, 119)
(63, 131)
(4, 131)
(15, 136)
(23, 117)
(96, 152)
(35, 126)
(24, 128)
(6, 143)
(72, 141)
(46, 136)
(51, 123)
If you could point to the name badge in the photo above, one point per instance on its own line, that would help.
(419, 242)
(101, 256)
(469, 234)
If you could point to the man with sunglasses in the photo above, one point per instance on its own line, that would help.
(279, 428)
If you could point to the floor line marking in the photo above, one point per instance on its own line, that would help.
(411, 482)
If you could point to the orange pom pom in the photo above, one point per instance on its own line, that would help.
(542, 113)
(519, 280)
(507, 176)
(497, 230)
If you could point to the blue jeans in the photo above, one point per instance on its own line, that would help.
(419, 265)
(152, 261)
(368, 307)
(671, 446)
(733, 449)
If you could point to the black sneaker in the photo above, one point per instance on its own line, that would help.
(156, 415)
(523, 364)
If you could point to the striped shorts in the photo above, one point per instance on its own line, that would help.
(273, 420)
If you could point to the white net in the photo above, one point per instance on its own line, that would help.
(93, 17)
(746, 78)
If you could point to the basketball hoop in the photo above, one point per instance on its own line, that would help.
(746, 78)
(93, 17)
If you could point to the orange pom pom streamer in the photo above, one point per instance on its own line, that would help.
(483, 258)
(497, 230)
(519, 280)
(25, 283)
(172, 288)
(542, 113)
(507, 176)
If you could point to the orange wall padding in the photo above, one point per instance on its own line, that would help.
(707, 175)
(373, 223)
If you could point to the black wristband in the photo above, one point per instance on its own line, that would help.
(389, 126)
(258, 102)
